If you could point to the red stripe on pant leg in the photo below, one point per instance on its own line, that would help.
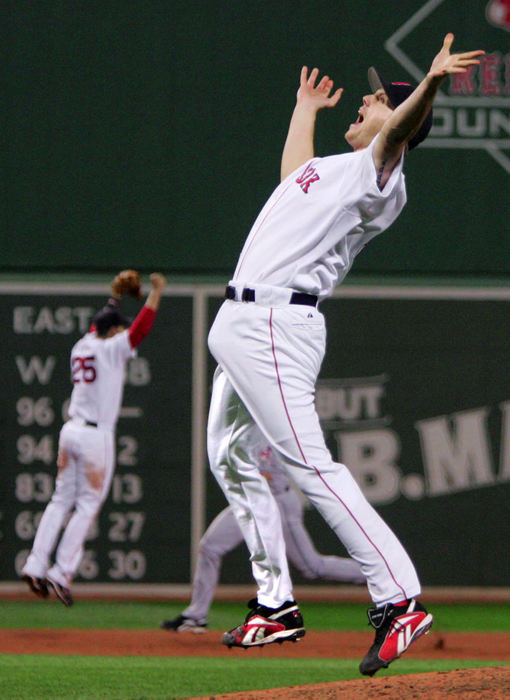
(280, 386)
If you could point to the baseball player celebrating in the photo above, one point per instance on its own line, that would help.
(223, 535)
(86, 453)
(269, 340)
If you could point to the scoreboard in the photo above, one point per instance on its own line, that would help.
(145, 521)
(413, 395)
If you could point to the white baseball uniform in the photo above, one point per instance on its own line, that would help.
(86, 453)
(223, 535)
(269, 351)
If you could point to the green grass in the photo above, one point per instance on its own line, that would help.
(136, 678)
(45, 677)
(147, 615)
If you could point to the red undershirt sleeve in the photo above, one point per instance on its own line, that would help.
(141, 326)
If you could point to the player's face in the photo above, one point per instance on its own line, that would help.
(372, 115)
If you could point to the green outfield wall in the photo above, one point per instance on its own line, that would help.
(150, 133)
(414, 395)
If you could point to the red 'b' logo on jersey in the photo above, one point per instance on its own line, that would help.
(306, 178)
(498, 13)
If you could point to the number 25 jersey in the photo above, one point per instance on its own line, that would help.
(98, 368)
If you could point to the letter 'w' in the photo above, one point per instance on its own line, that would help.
(35, 368)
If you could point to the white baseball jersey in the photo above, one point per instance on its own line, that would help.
(317, 220)
(269, 352)
(98, 368)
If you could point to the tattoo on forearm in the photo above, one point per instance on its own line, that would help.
(380, 174)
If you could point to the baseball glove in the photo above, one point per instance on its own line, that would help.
(127, 282)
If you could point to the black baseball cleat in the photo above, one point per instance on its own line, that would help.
(185, 624)
(63, 593)
(396, 628)
(267, 625)
(37, 585)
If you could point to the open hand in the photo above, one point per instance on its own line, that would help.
(445, 62)
(316, 96)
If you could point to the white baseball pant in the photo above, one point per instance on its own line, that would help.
(86, 460)
(268, 359)
(223, 535)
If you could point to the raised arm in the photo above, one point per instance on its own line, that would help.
(310, 99)
(143, 322)
(407, 118)
(158, 283)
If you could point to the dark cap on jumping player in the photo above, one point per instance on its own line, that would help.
(397, 93)
(108, 317)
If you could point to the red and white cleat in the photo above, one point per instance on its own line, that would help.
(267, 625)
(396, 628)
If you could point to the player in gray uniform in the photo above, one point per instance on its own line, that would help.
(268, 339)
(223, 535)
(86, 450)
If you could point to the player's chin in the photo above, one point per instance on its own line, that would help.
(350, 135)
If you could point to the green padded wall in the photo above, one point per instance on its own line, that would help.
(150, 132)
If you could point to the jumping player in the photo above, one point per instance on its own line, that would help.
(86, 453)
(223, 535)
(268, 339)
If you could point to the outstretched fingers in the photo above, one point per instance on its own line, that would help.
(333, 100)
(325, 84)
(445, 62)
(447, 44)
(464, 60)
(466, 55)
(321, 91)
(313, 77)
(471, 54)
(324, 88)
(310, 79)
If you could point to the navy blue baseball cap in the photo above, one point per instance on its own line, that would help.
(397, 93)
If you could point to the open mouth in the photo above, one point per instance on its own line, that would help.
(360, 118)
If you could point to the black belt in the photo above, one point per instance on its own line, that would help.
(92, 425)
(295, 297)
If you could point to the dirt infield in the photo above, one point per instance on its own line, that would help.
(331, 645)
(471, 684)
(466, 684)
